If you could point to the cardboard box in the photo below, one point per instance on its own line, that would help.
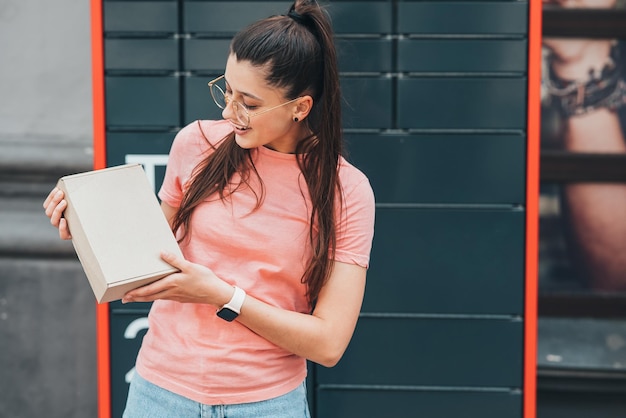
(118, 229)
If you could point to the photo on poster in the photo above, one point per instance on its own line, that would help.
(583, 156)
(584, 95)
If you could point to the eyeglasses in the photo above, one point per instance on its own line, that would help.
(240, 110)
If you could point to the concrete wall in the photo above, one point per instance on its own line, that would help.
(45, 68)
(47, 311)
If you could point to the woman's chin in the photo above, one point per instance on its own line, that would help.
(242, 141)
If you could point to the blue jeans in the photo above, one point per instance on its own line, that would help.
(146, 400)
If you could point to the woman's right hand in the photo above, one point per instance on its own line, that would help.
(54, 205)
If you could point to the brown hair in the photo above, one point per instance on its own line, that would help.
(298, 52)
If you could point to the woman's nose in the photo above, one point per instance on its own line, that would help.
(227, 112)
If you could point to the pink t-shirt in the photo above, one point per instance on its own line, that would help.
(188, 349)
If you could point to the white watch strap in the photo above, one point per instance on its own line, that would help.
(236, 301)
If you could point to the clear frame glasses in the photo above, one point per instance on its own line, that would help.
(242, 113)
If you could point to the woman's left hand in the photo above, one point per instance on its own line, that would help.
(194, 283)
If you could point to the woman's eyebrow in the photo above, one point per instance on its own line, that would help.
(243, 93)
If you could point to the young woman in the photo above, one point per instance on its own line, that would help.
(276, 229)
(586, 81)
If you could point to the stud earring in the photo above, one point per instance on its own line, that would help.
(296, 119)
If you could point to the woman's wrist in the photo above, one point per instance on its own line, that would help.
(223, 295)
(602, 87)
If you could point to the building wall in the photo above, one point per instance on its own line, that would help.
(47, 311)
(45, 73)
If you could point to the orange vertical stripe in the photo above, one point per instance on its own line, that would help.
(532, 208)
(99, 146)
(104, 361)
(97, 68)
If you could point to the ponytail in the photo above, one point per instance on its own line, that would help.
(321, 156)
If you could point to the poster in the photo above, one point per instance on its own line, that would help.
(583, 217)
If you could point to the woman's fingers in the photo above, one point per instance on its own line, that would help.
(56, 212)
(51, 195)
(54, 206)
(52, 201)
(173, 260)
(64, 231)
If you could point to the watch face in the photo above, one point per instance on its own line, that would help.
(227, 314)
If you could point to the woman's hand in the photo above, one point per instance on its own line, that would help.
(194, 283)
(54, 205)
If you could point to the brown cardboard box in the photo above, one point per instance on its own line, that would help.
(118, 229)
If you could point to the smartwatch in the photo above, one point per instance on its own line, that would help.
(231, 310)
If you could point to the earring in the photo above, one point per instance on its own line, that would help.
(296, 119)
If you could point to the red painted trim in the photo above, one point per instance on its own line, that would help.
(532, 208)
(104, 361)
(97, 68)
(99, 161)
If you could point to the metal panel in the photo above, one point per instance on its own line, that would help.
(462, 55)
(148, 148)
(462, 103)
(415, 402)
(364, 55)
(198, 101)
(141, 54)
(142, 101)
(361, 17)
(431, 352)
(206, 54)
(127, 331)
(139, 308)
(121, 144)
(228, 17)
(474, 169)
(141, 16)
(367, 102)
(463, 17)
(455, 261)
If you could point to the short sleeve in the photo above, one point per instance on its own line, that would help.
(171, 191)
(355, 229)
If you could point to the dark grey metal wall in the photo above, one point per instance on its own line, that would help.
(435, 114)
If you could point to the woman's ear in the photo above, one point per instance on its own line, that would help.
(302, 108)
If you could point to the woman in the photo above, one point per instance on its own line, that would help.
(586, 81)
(276, 230)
